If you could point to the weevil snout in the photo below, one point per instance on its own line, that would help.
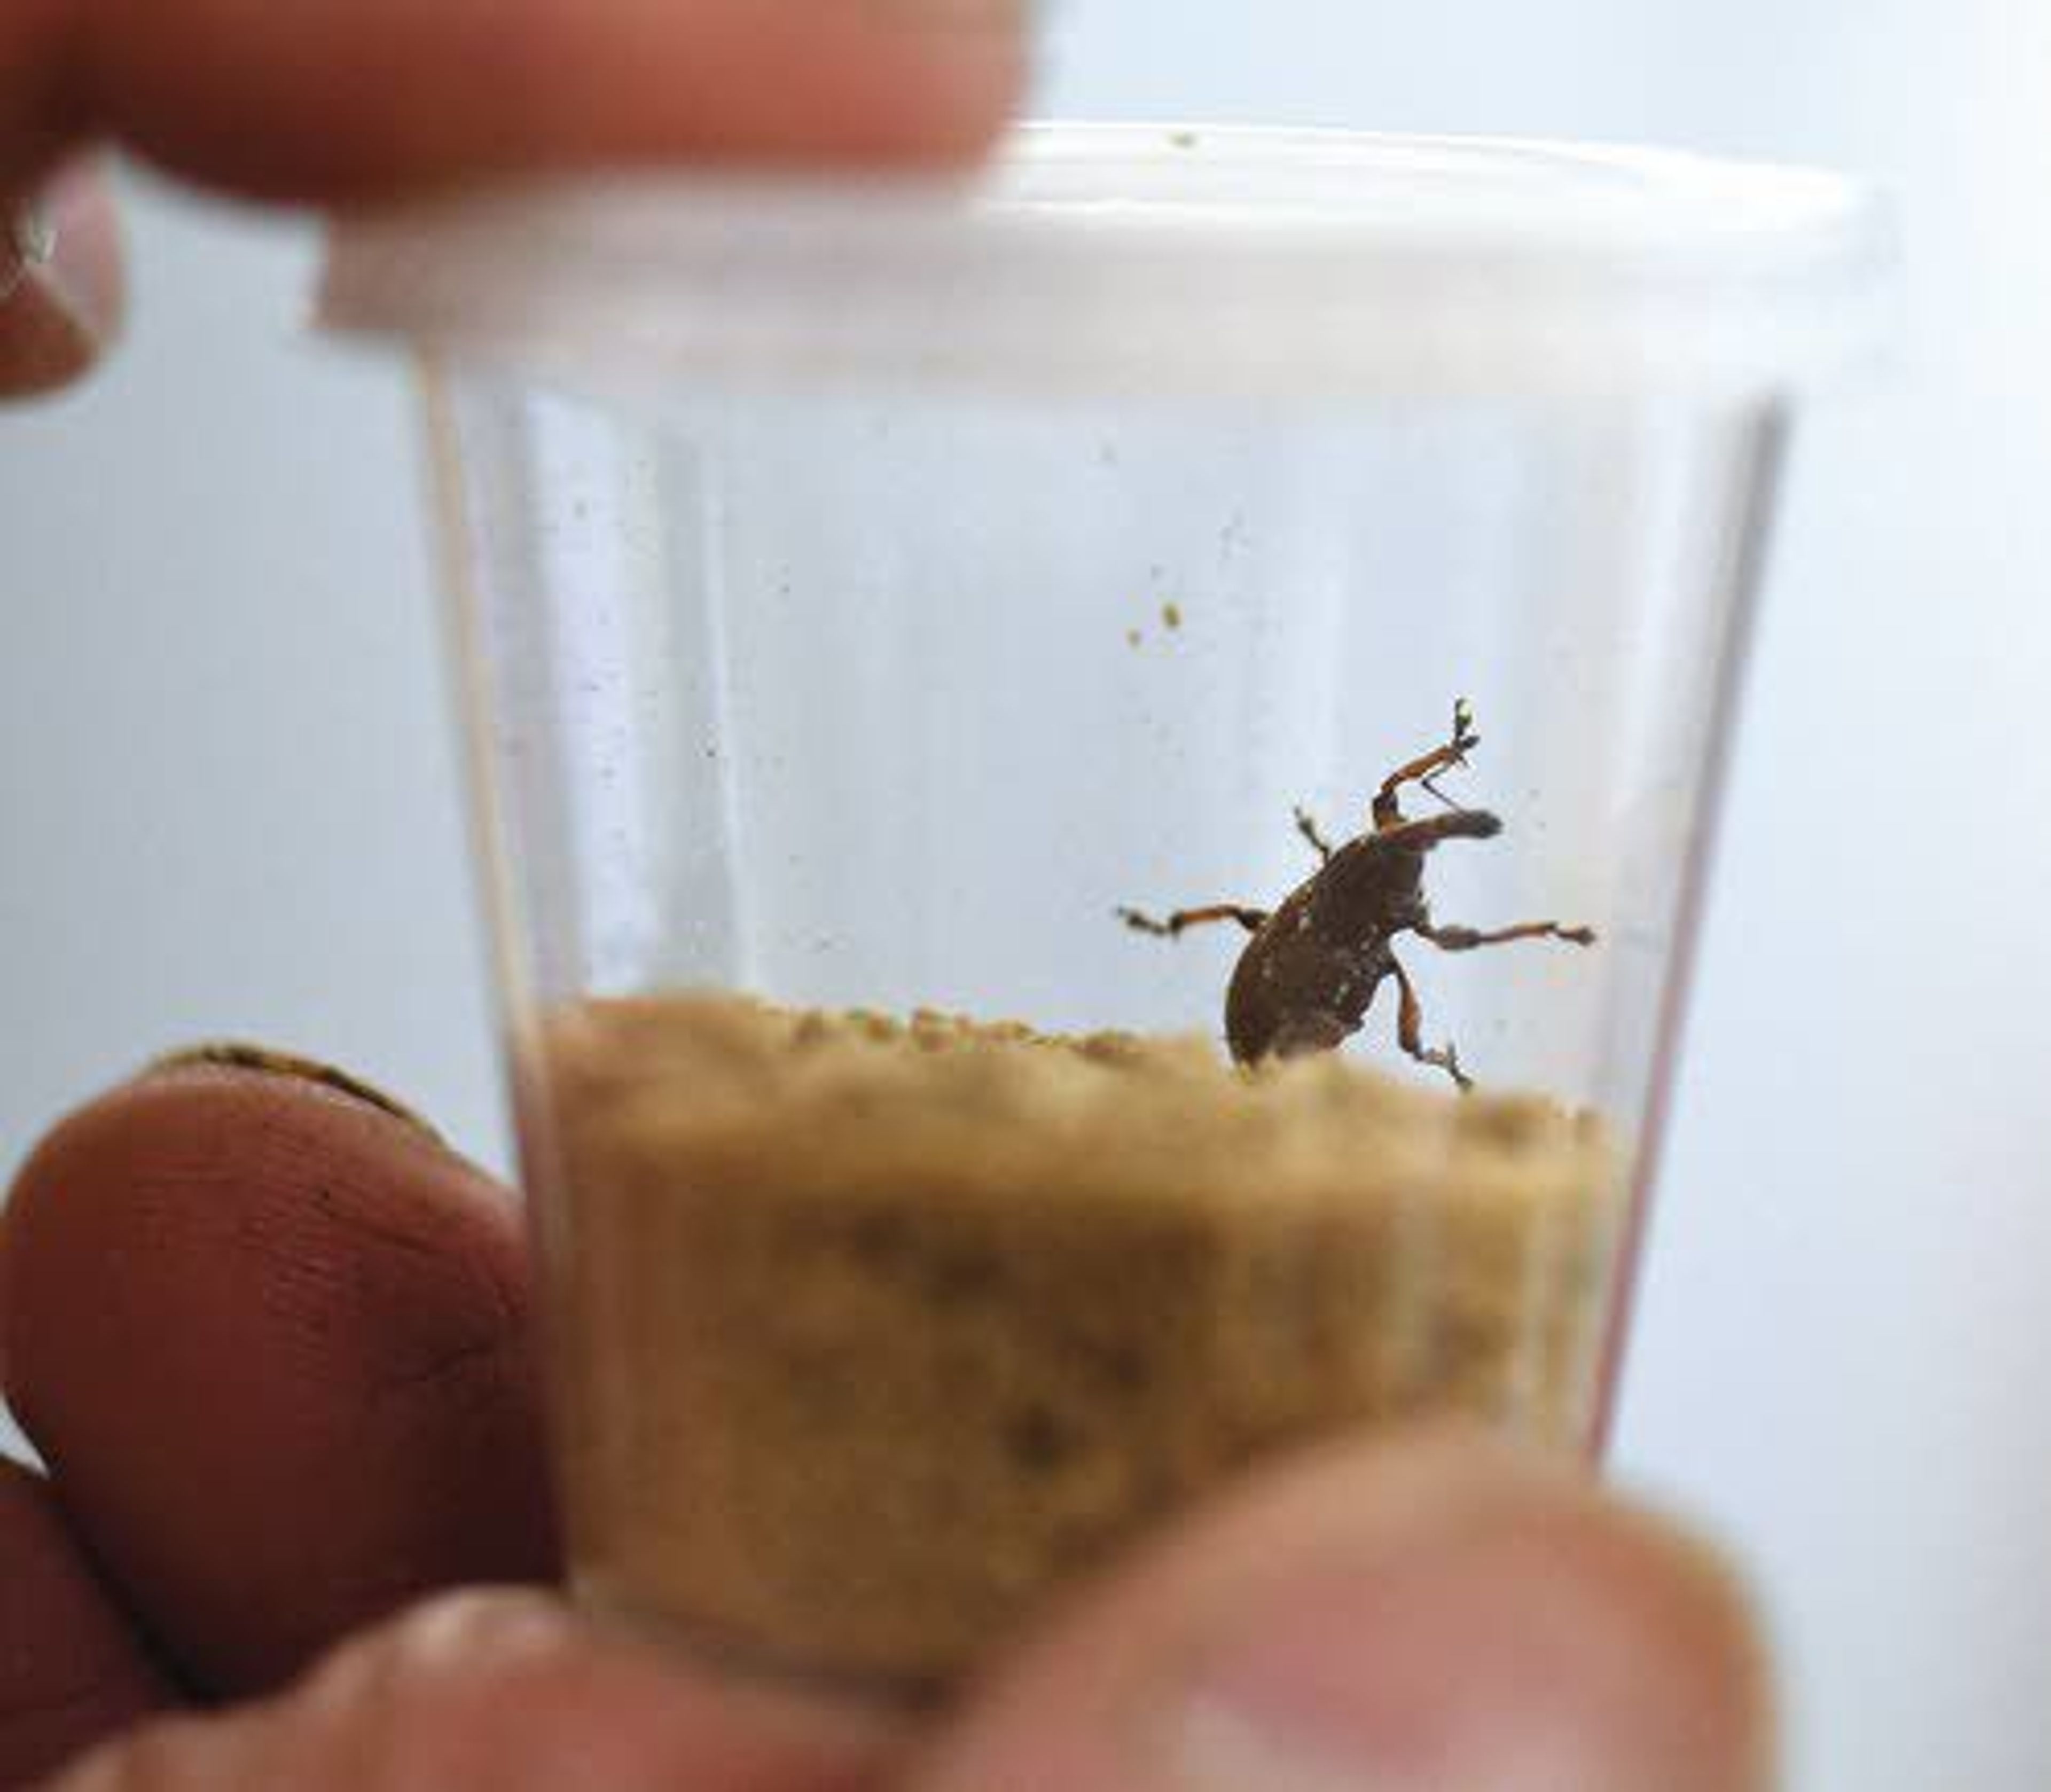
(1455, 823)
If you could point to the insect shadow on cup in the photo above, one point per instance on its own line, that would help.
(1308, 976)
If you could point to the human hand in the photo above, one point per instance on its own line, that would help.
(330, 102)
(272, 1343)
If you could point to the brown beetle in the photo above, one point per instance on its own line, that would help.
(1306, 980)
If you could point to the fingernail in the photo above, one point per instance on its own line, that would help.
(480, 1630)
(81, 232)
(1520, 1657)
(61, 287)
(264, 1060)
(31, 241)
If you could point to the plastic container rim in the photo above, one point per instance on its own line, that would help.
(1235, 260)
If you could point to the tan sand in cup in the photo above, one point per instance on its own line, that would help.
(871, 1334)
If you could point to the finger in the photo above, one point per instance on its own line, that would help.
(61, 282)
(507, 1692)
(272, 1344)
(71, 1671)
(330, 98)
(1433, 1616)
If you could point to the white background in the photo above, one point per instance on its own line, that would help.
(228, 799)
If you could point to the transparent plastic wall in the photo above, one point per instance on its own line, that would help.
(867, 1332)
(898, 703)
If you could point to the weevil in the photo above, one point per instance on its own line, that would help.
(1311, 970)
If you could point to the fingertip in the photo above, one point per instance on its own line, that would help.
(1424, 1613)
(356, 103)
(511, 1692)
(72, 1670)
(596, 1705)
(272, 1343)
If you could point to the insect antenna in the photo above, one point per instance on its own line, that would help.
(1431, 784)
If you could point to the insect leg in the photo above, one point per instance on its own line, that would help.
(1467, 939)
(1308, 829)
(1177, 924)
(1387, 810)
(1410, 1031)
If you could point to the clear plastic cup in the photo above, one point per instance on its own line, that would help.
(921, 632)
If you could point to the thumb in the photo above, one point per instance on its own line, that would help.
(508, 1691)
(1432, 1615)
